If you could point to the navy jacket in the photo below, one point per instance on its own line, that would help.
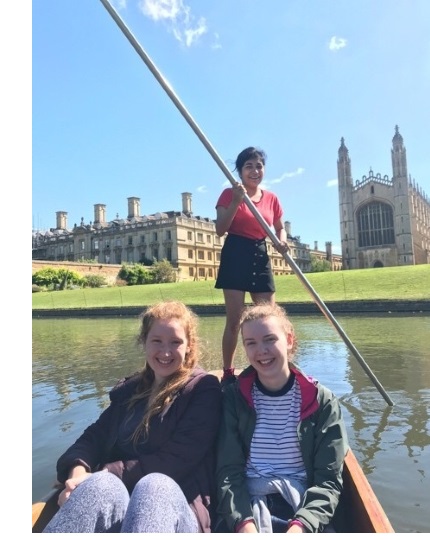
(180, 442)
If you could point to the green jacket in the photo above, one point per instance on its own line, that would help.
(323, 441)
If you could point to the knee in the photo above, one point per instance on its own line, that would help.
(156, 482)
(104, 479)
(232, 325)
(106, 483)
(232, 332)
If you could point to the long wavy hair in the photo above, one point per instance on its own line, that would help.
(264, 310)
(160, 396)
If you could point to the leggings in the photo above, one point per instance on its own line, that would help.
(101, 503)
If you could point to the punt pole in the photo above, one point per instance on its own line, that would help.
(193, 124)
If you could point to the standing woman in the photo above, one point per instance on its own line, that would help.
(147, 463)
(245, 265)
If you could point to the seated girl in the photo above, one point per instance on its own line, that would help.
(147, 463)
(282, 440)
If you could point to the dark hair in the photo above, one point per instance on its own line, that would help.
(249, 153)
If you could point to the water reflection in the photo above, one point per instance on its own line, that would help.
(76, 362)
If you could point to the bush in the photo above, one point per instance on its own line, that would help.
(35, 288)
(163, 272)
(94, 280)
(136, 274)
(69, 278)
(46, 277)
(56, 278)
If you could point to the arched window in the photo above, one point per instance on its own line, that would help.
(375, 225)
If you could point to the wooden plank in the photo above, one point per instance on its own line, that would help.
(364, 508)
(44, 510)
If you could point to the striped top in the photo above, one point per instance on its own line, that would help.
(275, 449)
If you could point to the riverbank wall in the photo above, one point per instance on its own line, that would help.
(295, 308)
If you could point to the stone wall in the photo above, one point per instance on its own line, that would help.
(298, 308)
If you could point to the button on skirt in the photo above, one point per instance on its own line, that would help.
(245, 265)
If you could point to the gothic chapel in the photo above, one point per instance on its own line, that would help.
(383, 222)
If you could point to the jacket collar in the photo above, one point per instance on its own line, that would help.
(308, 388)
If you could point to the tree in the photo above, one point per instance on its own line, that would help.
(163, 272)
(136, 274)
(319, 265)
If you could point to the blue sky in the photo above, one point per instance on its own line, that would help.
(289, 76)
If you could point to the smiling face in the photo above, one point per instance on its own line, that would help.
(267, 345)
(166, 347)
(252, 173)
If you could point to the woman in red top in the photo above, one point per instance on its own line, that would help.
(245, 264)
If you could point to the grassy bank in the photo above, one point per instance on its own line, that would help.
(396, 283)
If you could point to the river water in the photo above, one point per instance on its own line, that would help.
(76, 362)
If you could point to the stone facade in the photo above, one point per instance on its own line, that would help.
(383, 221)
(189, 242)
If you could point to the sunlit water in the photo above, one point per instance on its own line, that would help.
(76, 362)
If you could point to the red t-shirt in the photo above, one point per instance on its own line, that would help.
(244, 223)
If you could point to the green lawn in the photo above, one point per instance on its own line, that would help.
(394, 283)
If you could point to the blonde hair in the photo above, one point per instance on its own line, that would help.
(159, 397)
(264, 310)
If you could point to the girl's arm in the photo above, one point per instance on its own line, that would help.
(281, 234)
(225, 215)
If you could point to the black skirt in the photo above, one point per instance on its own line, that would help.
(245, 265)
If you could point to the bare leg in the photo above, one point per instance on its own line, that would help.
(234, 303)
(263, 297)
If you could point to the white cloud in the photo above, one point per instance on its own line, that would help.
(193, 34)
(160, 9)
(202, 189)
(119, 4)
(337, 43)
(177, 17)
(216, 44)
(331, 183)
(297, 172)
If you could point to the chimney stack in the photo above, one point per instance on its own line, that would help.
(186, 203)
(61, 220)
(99, 214)
(133, 207)
(316, 245)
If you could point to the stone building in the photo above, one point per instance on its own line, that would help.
(383, 221)
(189, 242)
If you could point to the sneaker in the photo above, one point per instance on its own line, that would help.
(228, 376)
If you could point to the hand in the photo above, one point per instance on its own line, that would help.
(70, 485)
(296, 529)
(249, 527)
(283, 247)
(238, 192)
